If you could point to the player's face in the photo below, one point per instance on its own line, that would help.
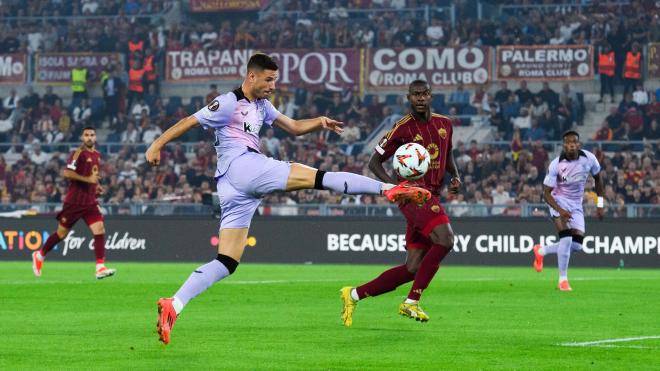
(263, 83)
(89, 138)
(571, 146)
(419, 97)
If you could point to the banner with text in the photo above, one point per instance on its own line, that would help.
(544, 62)
(224, 5)
(395, 69)
(654, 61)
(13, 68)
(56, 67)
(329, 69)
(478, 241)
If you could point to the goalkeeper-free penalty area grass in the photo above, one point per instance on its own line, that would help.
(287, 317)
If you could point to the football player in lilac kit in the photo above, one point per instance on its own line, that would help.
(563, 192)
(244, 175)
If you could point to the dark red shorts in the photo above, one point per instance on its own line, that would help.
(421, 220)
(71, 213)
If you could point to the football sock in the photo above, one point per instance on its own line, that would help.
(349, 183)
(563, 256)
(410, 301)
(386, 282)
(99, 247)
(427, 269)
(550, 249)
(52, 240)
(203, 277)
(354, 295)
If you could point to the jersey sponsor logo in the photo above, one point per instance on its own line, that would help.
(247, 128)
(442, 133)
(434, 150)
(418, 138)
(213, 106)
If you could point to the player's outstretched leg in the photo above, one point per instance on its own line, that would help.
(410, 307)
(304, 177)
(200, 280)
(386, 282)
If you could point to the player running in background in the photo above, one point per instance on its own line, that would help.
(563, 191)
(82, 170)
(429, 237)
(244, 175)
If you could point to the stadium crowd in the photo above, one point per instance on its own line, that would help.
(35, 123)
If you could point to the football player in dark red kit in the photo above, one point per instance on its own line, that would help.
(429, 237)
(82, 171)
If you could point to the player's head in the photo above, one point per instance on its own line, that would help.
(88, 137)
(571, 144)
(419, 96)
(261, 75)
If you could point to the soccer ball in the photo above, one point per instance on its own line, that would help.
(411, 161)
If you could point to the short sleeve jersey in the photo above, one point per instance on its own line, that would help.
(567, 178)
(84, 162)
(236, 122)
(435, 135)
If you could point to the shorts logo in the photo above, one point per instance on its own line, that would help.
(442, 133)
(213, 106)
(435, 208)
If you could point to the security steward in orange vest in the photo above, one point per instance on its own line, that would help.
(136, 83)
(632, 69)
(606, 69)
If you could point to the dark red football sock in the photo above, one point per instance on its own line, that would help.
(99, 248)
(386, 282)
(52, 240)
(427, 270)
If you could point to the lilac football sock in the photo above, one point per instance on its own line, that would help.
(200, 280)
(352, 184)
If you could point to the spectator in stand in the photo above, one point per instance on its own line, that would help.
(459, 98)
(549, 96)
(605, 133)
(213, 93)
(640, 96)
(434, 32)
(49, 97)
(271, 144)
(502, 95)
(627, 103)
(10, 102)
(82, 113)
(139, 109)
(524, 95)
(287, 106)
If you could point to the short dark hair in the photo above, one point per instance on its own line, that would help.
(419, 82)
(261, 62)
(89, 128)
(570, 132)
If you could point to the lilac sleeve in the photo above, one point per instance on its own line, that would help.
(271, 113)
(218, 113)
(551, 178)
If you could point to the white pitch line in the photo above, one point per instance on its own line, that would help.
(607, 341)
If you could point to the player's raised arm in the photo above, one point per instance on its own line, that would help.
(177, 130)
(301, 127)
(600, 192)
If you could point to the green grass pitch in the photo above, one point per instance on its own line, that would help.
(287, 317)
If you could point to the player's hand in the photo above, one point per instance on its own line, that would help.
(600, 211)
(564, 214)
(153, 155)
(332, 125)
(93, 179)
(99, 190)
(455, 185)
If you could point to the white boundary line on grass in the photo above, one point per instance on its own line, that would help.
(607, 343)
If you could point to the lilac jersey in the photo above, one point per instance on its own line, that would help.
(236, 122)
(568, 177)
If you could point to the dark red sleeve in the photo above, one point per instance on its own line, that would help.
(392, 141)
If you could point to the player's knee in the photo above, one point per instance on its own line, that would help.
(446, 239)
(228, 262)
(578, 238)
(412, 266)
(62, 232)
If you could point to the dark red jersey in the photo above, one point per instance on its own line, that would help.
(435, 135)
(84, 162)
